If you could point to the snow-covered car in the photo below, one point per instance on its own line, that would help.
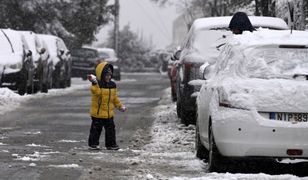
(42, 65)
(84, 61)
(61, 59)
(16, 65)
(201, 45)
(172, 72)
(109, 55)
(256, 104)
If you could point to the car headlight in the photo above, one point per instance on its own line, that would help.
(16, 66)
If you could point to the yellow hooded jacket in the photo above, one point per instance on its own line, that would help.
(104, 95)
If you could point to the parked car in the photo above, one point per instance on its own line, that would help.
(110, 56)
(84, 61)
(256, 104)
(61, 58)
(203, 41)
(172, 72)
(42, 65)
(16, 65)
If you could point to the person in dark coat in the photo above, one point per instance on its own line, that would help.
(239, 23)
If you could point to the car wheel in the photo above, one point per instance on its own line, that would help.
(173, 94)
(216, 161)
(22, 83)
(178, 107)
(44, 88)
(187, 117)
(201, 151)
(69, 82)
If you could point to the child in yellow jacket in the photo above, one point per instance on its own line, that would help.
(104, 100)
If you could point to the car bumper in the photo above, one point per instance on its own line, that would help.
(243, 133)
(82, 72)
(10, 76)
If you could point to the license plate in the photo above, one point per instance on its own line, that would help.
(298, 117)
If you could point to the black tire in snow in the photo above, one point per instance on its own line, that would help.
(201, 151)
(216, 162)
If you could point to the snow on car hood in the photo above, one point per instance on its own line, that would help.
(268, 95)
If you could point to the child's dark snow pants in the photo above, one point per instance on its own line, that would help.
(96, 130)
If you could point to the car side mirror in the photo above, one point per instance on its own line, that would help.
(176, 55)
(42, 51)
(29, 53)
(202, 70)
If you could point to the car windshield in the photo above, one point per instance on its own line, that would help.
(277, 62)
(104, 55)
(86, 53)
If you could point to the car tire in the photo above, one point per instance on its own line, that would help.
(201, 151)
(178, 101)
(173, 95)
(85, 77)
(178, 107)
(22, 83)
(216, 162)
(69, 82)
(44, 88)
(187, 117)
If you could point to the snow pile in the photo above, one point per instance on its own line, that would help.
(10, 100)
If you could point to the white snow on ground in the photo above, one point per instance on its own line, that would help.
(66, 166)
(36, 145)
(36, 156)
(68, 141)
(10, 100)
(33, 133)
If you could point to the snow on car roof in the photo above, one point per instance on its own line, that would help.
(110, 51)
(51, 42)
(15, 38)
(270, 37)
(223, 22)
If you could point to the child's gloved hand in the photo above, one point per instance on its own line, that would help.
(123, 109)
(92, 78)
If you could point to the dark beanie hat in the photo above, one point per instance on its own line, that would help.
(241, 22)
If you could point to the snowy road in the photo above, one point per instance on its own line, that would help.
(45, 137)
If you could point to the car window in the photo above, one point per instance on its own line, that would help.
(267, 62)
(86, 53)
(5, 46)
(207, 42)
(104, 55)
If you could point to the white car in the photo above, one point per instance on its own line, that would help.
(42, 64)
(16, 65)
(256, 104)
(203, 41)
(61, 59)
